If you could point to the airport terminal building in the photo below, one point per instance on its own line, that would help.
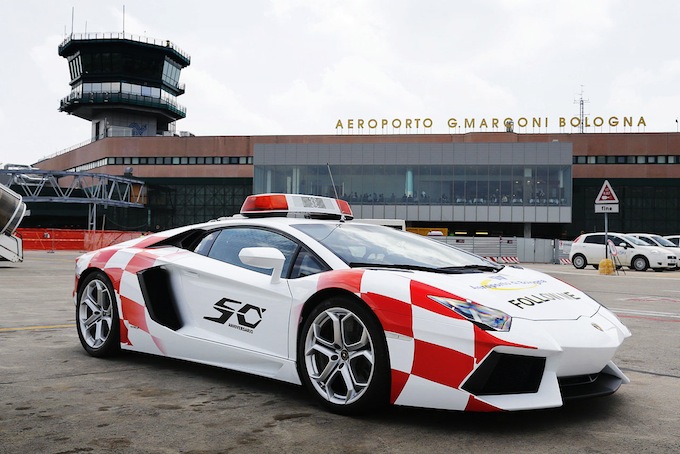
(491, 181)
(508, 184)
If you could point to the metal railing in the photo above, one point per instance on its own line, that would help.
(66, 150)
(124, 98)
(124, 36)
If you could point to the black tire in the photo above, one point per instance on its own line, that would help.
(337, 341)
(579, 261)
(596, 266)
(97, 319)
(639, 263)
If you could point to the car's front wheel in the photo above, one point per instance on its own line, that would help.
(97, 316)
(579, 261)
(639, 263)
(342, 357)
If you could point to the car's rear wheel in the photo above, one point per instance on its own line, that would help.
(579, 261)
(342, 357)
(97, 316)
(639, 263)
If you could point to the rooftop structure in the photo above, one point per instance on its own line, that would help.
(126, 85)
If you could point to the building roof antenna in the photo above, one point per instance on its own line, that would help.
(581, 113)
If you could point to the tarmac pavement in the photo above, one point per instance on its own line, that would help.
(54, 398)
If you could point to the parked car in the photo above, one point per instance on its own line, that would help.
(589, 249)
(658, 240)
(675, 239)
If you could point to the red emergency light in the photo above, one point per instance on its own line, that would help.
(263, 205)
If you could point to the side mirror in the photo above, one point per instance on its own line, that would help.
(623, 245)
(264, 257)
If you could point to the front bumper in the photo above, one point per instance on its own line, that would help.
(577, 358)
(538, 364)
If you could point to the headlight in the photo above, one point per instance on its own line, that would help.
(482, 316)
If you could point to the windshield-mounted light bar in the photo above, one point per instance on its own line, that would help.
(264, 205)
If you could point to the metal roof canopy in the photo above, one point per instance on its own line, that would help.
(75, 187)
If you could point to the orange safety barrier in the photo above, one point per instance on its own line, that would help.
(71, 240)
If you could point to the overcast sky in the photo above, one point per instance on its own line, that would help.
(261, 67)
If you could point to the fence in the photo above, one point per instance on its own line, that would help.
(513, 250)
(498, 249)
(71, 240)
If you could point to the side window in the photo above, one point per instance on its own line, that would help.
(230, 241)
(618, 241)
(594, 239)
(307, 264)
(206, 243)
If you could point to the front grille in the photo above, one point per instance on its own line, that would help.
(591, 385)
(578, 380)
(501, 373)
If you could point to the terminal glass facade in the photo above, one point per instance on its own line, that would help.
(482, 182)
(517, 185)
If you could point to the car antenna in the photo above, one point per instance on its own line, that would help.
(335, 190)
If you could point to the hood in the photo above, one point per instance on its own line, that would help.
(519, 292)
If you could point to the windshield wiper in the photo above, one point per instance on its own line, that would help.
(443, 270)
(481, 268)
(396, 266)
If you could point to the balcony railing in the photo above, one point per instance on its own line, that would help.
(121, 98)
(124, 36)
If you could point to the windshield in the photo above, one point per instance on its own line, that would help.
(635, 241)
(663, 241)
(372, 245)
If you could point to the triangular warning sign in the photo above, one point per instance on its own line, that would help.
(607, 194)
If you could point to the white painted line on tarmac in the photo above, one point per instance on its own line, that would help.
(646, 313)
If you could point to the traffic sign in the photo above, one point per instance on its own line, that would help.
(612, 248)
(607, 194)
(606, 208)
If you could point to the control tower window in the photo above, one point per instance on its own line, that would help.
(171, 72)
(75, 66)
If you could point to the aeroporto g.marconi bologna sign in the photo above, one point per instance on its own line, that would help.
(484, 123)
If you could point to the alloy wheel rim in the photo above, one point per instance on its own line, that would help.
(339, 356)
(95, 313)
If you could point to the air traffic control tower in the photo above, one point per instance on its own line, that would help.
(126, 85)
